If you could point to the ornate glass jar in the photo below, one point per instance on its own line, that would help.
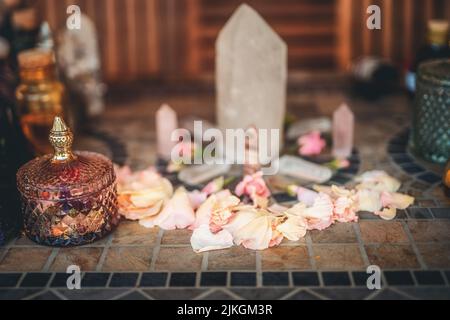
(68, 198)
(431, 118)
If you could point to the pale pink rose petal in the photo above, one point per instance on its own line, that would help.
(293, 228)
(242, 217)
(203, 213)
(344, 210)
(253, 185)
(311, 144)
(277, 209)
(176, 214)
(396, 200)
(304, 195)
(318, 216)
(223, 211)
(214, 186)
(197, 198)
(256, 235)
(203, 239)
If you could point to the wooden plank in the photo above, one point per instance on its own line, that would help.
(192, 21)
(112, 58)
(344, 35)
(387, 27)
(366, 33)
(131, 34)
(289, 30)
(408, 14)
(152, 39)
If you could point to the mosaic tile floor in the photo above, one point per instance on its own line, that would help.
(413, 250)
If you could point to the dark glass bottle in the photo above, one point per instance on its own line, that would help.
(437, 47)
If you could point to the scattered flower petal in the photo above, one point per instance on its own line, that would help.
(214, 186)
(203, 239)
(176, 214)
(253, 185)
(377, 180)
(311, 144)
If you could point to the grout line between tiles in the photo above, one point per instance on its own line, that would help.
(156, 249)
(362, 250)
(58, 294)
(309, 245)
(414, 246)
(205, 258)
(50, 259)
(3, 255)
(145, 294)
(102, 259)
(259, 280)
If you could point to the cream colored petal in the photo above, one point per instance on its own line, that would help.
(255, 235)
(241, 219)
(146, 198)
(387, 213)
(397, 200)
(368, 200)
(203, 239)
(140, 213)
(293, 228)
(321, 209)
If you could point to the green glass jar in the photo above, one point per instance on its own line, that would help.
(430, 136)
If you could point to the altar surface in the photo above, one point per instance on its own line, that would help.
(413, 250)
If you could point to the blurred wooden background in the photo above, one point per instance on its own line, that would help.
(173, 40)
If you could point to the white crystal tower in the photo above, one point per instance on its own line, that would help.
(251, 73)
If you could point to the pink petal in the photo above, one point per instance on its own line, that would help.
(293, 228)
(197, 198)
(176, 214)
(256, 235)
(214, 186)
(396, 200)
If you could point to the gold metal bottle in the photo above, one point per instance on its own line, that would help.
(40, 97)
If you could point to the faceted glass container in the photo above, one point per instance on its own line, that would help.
(431, 117)
(68, 198)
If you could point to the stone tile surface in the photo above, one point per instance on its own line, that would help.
(382, 232)
(178, 259)
(25, 259)
(128, 259)
(392, 256)
(86, 258)
(236, 258)
(286, 258)
(331, 257)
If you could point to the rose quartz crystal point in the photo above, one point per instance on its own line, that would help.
(343, 126)
(166, 123)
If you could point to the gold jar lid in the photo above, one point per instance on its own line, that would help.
(65, 174)
(36, 58)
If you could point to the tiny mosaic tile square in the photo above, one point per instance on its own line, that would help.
(243, 279)
(153, 279)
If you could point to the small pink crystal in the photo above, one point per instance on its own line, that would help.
(343, 126)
